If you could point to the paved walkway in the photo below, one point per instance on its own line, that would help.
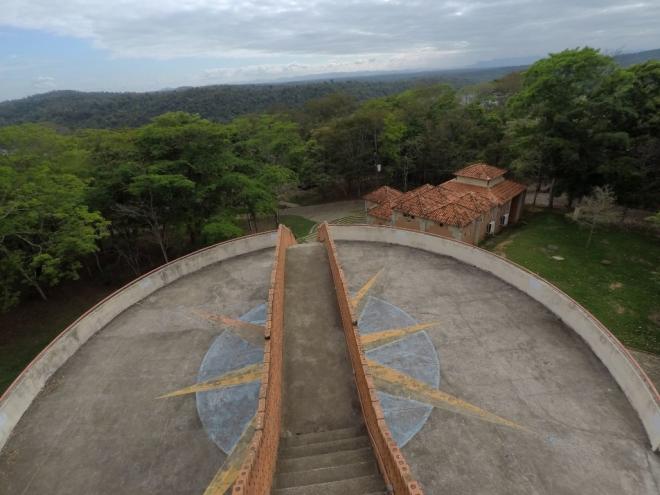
(325, 449)
(319, 392)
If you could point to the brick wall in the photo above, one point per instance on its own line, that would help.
(258, 469)
(391, 462)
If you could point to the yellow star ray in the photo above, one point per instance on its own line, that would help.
(375, 339)
(237, 377)
(397, 383)
(355, 301)
(231, 468)
(254, 334)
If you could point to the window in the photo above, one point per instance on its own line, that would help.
(504, 219)
(490, 228)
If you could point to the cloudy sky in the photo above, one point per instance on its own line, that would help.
(139, 45)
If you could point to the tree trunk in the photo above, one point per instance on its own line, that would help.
(536, 191)
(42, 294)
(591, 233)
(160, 238)
(163, 251)
(32, 282)
(192, 234)
(551, 194)
(98, 262)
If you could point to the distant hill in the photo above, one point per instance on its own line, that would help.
(76, 109)
(627, 59)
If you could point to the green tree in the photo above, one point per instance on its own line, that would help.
(557, 100)
(45, 229)
(597, 208)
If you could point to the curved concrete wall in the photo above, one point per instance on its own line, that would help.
(626, 371)
(20, 394)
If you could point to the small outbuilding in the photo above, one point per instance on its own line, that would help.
(479, 201)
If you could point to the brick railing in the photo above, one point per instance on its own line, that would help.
(258, 469)
(393, 466)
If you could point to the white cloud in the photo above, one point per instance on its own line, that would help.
(43, 83)
(167, 29)
(424, 57)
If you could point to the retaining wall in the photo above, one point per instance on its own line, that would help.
(258, 469)
(392, 464)
(20, 394)
(638, 388)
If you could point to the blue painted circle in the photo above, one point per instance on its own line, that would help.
(414, 355)
(225, 413)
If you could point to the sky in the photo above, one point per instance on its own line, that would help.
(144, 45)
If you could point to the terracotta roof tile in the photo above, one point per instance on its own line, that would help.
(480, 171)
(381, 211)
(454, 214)
(383, 194)
(497, 195)
(453, 202)
(507, 190)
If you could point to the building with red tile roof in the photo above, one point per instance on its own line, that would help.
(477, 202)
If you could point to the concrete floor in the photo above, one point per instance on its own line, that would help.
(97, 428)
(503, 352)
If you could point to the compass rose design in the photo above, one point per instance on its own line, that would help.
(402, 360)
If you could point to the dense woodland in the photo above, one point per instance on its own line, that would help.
(111, 200)
(75, 109)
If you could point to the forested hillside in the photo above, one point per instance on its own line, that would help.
(74, 109)
(128, 199)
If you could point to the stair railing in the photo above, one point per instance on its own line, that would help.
(392, 464)
(258, 469)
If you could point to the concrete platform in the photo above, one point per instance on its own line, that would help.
(499, 351)
(497, 396)
(98, 427)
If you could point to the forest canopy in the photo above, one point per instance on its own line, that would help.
(130, 198)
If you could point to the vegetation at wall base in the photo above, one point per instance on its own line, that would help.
(617, 278)
(300, 226)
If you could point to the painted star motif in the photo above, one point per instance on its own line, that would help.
(387, 379)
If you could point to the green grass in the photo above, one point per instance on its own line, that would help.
(299, 225)
(624, 294)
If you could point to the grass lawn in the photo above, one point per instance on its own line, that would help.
(299, 225)
(617, 278)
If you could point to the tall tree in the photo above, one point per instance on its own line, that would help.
(556, 98)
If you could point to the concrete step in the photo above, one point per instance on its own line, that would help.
(324, 460)
(355, 486)
(323, 436)
(326, 474)
(325, 447)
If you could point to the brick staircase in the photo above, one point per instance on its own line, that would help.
(331, 462)
(324, 447)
